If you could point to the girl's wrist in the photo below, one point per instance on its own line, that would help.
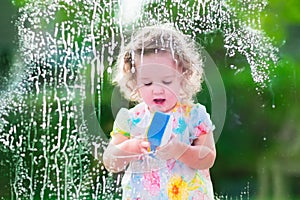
(124, 147)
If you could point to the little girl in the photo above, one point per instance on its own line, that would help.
(161, 69)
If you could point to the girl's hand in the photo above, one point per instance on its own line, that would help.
(121, 151)
(134, 146)
(172, 150)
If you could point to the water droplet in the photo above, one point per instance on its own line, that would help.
(109, 70)
(233, 67)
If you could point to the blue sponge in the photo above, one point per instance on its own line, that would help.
(156, 129)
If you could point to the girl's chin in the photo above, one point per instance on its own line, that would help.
(157, 107)
(160, 108)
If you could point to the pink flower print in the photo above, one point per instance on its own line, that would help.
(151, 182)
(201, 129)
(141, 112)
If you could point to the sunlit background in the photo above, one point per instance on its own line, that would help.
(58, 103)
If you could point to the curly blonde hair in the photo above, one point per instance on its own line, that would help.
(153, 39)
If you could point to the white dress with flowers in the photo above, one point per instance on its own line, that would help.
(155, 179)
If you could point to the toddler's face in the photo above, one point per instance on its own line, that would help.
(158, 80)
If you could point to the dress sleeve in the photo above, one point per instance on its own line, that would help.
(122, 123)
(200, 122)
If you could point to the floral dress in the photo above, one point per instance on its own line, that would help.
(156, 179)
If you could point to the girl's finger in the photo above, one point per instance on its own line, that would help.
(145, 144)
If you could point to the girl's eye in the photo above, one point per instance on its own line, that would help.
(166, 82)
(148, 84)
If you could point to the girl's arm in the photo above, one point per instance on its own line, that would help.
(121, 151)
(200, 154)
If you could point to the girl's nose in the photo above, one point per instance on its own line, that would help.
(157, 89)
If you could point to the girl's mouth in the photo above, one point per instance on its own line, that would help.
(159, 101)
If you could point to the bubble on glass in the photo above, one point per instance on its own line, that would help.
(51, 111)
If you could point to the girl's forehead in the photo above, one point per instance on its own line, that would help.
(155, 70)
(157, 58)
(157, 65)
